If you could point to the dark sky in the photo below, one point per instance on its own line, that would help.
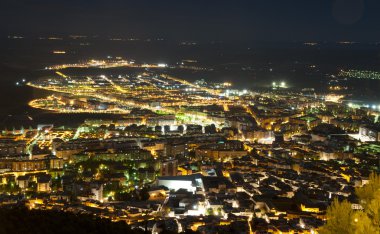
(262, 20)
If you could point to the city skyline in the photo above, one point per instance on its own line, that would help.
(198, 117)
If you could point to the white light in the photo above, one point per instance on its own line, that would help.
(162, 65)
(282, 84)
(274, 84)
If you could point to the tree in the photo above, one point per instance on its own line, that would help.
(219, 211)
(340, 218)
(363, 224)
(122, 196)
(10, 187)
(56, 183)
(210, 211)
(367, 192)
(373, 209)
(144, 194)
(210, 129)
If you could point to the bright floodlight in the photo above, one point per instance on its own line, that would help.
(162, 65)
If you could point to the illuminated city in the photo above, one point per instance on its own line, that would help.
(184, 117)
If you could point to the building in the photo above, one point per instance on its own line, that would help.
(23, 181)
(369, 133)
(44, 183)
(169, 167)
(9, 147)
(188, 182)
(97, 191)
(221, 151)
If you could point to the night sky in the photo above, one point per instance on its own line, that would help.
(262, 20)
